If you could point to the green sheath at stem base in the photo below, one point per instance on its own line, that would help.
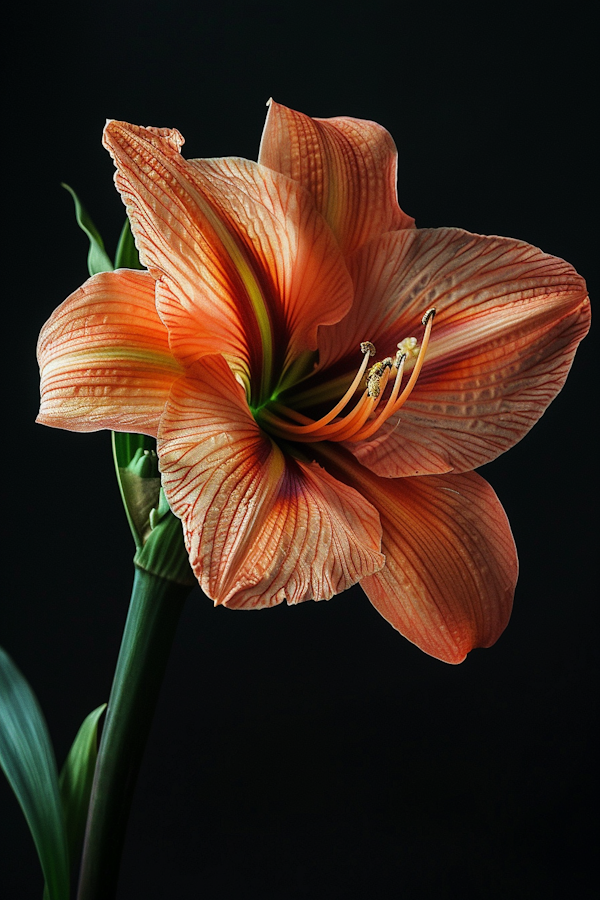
(156, 606)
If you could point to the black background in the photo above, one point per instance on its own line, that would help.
(311, 751)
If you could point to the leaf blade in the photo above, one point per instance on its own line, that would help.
(98, 259)
(75, 781)
(127, 256)
(27, 758)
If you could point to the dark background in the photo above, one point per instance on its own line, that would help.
(311, 751)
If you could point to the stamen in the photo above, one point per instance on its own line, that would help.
(386, 412)
(354, 426)
(392, 406)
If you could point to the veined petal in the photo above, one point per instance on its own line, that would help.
(451, 563)
(509, 319)
(348, 165)
(104, 357)
(247, 266)
(260, 527)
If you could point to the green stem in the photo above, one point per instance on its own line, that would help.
(156, 605)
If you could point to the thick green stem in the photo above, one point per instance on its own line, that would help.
(156, 605)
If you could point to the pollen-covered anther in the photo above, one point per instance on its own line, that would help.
(375, 375)
(374, 386)
(368, 347)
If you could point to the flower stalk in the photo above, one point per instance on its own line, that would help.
(156, 605)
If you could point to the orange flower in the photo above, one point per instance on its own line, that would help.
(287, 452)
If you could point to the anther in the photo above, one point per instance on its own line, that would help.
(399, 358)
(375, 375)
(374, 385)
(428, 315)
(368, 347)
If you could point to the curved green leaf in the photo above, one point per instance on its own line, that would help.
(98, 260)
(76, 778)
(27, 758)
(127, 256)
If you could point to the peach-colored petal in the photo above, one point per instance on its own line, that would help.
(451, 563)
(260, 527)
(104, 357)
(348, 165)
(509, 319)
(247, 266)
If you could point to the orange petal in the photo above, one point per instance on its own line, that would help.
(104, 357)
(247, 266)
(348, 165)
(451, 563)
(260, 527)
(509, 319)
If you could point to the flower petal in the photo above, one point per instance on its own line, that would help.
(104, 357)
(509, 319)
(348, 165)
(247, 266)
(260, 527)
(451, 563)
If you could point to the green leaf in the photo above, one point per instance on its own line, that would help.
(75, 781)
(127, 256)
(27, 758)
(98, 259)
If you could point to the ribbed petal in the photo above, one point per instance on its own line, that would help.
(260, 527)
(348, 165)
(509, 319)
(451, 563)
(104, 357)
(247, 266)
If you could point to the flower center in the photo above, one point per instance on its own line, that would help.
(283, 422)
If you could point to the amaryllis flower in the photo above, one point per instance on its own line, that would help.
(321, 376)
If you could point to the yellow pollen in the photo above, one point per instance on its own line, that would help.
(375, 375)
(374, 385)
(354, 426)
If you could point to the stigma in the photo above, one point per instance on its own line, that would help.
(365, 418)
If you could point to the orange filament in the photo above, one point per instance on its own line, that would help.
(353, 427)
(388, 409)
